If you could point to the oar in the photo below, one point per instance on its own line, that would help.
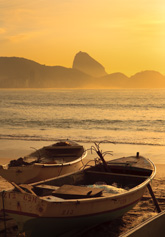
(154, 198)
(18, 187)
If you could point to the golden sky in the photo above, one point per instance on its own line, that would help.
(123, 35)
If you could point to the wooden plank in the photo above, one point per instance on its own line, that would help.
(18, 187)
(115, 174)
(28, 187)
(72, 191)
(154, 198)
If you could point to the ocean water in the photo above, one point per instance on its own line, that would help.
(122, 116)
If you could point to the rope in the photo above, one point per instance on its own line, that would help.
(60, 169)
(4, 215)
(82, 167)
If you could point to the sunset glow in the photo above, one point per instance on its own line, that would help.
(124, 36)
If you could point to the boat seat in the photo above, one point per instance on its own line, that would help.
(116, 174)
(74, 192)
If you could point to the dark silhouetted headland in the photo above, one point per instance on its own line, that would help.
(84, 63)
(85, 73)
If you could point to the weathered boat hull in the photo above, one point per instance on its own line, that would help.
(67, 226)
(37, 172)
(70, 159)
(52, 215)
(41, 217)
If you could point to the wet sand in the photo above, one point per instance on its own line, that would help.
(142, 211)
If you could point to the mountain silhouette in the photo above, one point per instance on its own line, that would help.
(147, 79)
(23, 73)
(83, 62)
(86, 72)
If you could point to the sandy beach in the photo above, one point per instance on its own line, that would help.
(143, 210)
(13, 149)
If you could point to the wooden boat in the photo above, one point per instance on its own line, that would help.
(72, 202)
(154, 226)
(50, 161)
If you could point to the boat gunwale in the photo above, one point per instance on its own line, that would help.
(80, 158)
(132, 190)
(63, 164)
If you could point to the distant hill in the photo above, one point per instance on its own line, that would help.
(116, 80)
(23, 73)
(147, 79)
(84, 63)
(85, 73)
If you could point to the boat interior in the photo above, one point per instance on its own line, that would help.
(58, 153)
(91, 182)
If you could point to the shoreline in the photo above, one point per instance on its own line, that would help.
(13, 149)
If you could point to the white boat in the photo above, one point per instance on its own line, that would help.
(72, 202)
(48, 162)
